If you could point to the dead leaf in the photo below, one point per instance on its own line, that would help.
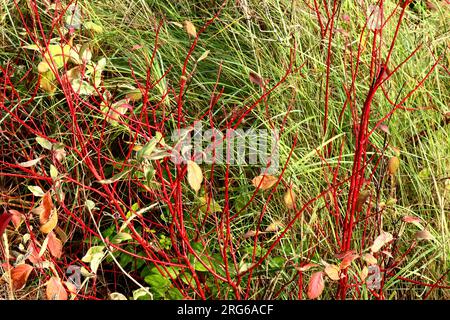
(249, 234)
(393, 165)
(55, 289)
(30, 163)
(256, 79)
(190, 28)
(194, 175)
(289, 198)
(19, 276)
(381, 240)
(316, 285)
(423, 235)
(411, 219)
(54, 245)
(333, 272)
(264, 182)
(274, 227)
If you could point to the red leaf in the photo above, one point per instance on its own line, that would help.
(16, 218)
(342, 255)
(54, 245)
(55, 290)
(19, 275)
(4, 220)
(410, 219)
(348, 260)
(316, 285)
(256, 79)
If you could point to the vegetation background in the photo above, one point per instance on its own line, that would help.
(93, 208)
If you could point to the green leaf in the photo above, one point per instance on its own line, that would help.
(121, 236)
(115, 178)
(141, 294)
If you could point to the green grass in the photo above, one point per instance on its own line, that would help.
(262, 44)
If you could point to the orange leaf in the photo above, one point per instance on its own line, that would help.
(264, 182)
(51, 223)
(348, 259)
(55, 290)
(19, 275)
(316, 285)
(54, 245)
(45, 208)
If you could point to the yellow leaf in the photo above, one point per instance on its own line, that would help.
(369, 258)
(51, 223)
(190, 28)
(332, 271)
(194, 175)
(289, 198)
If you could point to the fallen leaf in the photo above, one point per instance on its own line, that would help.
(249, 234)
(362, 198)
(256, 79)
(333, 272)
(411, 219)
(55, 289)
(54, 245)
(316, 285)
(190, 28)
(19, 275)
(393, 165)
(264, 182)
(289, 198)
(194, 175)
(274, 227)
(381, 240)
(423, 235)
